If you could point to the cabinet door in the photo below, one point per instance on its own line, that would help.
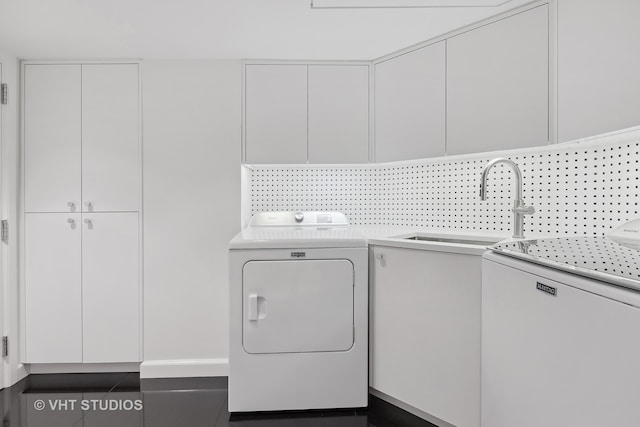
(498, 85)
(53, 327)
(410, 105)
(338, 114)
(52, 159)
(275, 114)
(598, 67)
(110, 138)
(425, 331)
(110, 287)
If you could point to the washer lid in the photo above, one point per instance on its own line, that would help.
(598, 257)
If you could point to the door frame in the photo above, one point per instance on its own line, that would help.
(3, 252)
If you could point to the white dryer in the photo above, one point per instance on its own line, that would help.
(298, 314)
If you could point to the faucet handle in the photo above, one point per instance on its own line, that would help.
(524, 210)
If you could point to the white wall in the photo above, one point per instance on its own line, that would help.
(191, 154)
(12, 370)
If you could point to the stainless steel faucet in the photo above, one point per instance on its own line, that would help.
(519, 209)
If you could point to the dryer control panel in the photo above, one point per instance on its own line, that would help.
(285, 219)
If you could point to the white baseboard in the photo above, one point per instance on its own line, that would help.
(184, 368)
(79, 368)
(410, 409)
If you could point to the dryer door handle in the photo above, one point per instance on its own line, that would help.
(252, 307)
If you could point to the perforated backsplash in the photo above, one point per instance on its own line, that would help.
(585, 187)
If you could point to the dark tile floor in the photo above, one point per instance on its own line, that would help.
(122, 400)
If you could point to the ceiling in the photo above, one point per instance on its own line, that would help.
(264, 29)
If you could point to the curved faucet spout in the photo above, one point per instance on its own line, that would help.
(519, 209)
(491, 164)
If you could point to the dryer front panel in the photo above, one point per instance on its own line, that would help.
(297, 306)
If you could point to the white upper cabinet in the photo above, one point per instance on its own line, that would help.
(275, 113)
(306, 113)
(81, 138)
(598, 67)
(52, 132)
(338, 114)
(498, 85)
(410, 105)
(110, 135)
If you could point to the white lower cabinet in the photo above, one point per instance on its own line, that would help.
(82, 288)
(425, 330)
(53, 288)
(110, 291)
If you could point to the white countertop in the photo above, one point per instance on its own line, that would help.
(380, 235)
(393, 236)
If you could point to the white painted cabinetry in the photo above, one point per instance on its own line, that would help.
(53, 292)
(425, 331)
(110, 291)
(338, 114)
(498, 85)
(110, 135)
(298, 113)
(275, 128)
(52, 134)
(598, 67)
(81, 138)
(81, 267)
(410, 105)
(82, 293)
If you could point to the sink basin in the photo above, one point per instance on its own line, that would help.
(461, 240)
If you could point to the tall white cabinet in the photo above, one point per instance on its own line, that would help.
(52, 135)
(82, 198)
(110, 134)
(110, 291)
(53, 297)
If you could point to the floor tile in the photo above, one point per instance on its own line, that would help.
(123, 400)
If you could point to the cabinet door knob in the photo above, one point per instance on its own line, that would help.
(89, 205)
(87, 221)
(379, 257)
(72, 206)
(71, 221)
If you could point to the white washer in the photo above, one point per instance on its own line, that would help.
(299, 314)
(560, 322)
